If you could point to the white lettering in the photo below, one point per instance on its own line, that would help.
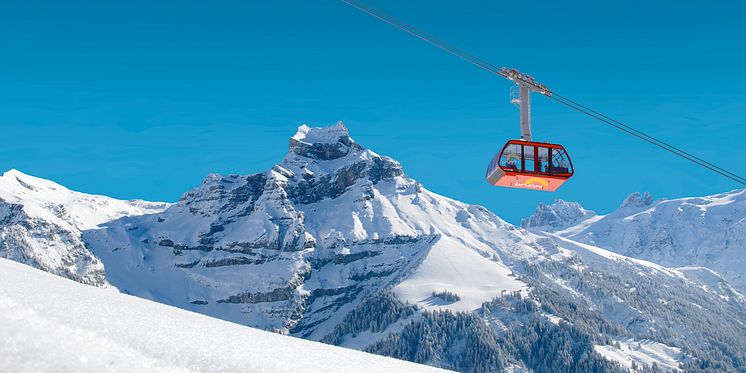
(532, 186)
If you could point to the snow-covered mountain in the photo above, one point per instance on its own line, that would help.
(337, 244)
(686, 232)
(41, 224)
(104, 331)
(295, 248)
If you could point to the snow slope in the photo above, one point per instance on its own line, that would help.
(705, 231)
(638, 354)
(104, 330)
(41, 224)
(451, 267)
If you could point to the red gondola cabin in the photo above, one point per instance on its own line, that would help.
(530, 165)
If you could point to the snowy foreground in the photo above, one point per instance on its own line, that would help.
(51, 324)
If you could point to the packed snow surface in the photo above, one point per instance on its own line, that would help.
(643, 353)
(102, 330)
(457, 269)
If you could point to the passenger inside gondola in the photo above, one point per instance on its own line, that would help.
(529, 164)
(526, 159)
(559, 162)
(532, 159)
(543, 159)
(511, 157)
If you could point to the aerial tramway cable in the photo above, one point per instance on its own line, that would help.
(646, 137)
(655, 142)
(424, 36)
(483, 64)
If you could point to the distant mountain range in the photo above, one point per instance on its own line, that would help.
(685, 232)
(337, 244)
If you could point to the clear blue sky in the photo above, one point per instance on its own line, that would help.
(142, 99)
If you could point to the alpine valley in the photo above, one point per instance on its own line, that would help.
(337, 244)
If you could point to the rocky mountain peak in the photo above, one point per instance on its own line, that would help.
(638, 199)
(559, 215)
(320, 135)
(322, 162)
(323, 143)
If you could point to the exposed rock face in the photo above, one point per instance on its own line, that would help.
(45, 245)
(637, 200)
(559, 215)
(324, 151)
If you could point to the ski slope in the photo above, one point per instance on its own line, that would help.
(452, 267)
(631, 353)
(51, 324)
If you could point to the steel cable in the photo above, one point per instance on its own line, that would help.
(554, 96)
